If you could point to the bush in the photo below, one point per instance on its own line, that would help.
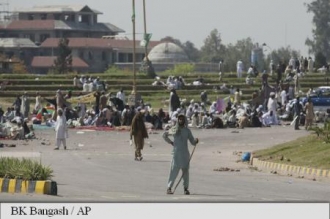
(184, 68)
(324, 132)
(25, 169)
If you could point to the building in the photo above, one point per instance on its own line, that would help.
(97, 53)
(60, 21)
(34, 33)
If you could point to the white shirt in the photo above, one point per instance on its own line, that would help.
(250, 71)
(267, 119)
(283, 97)
(272, 105)
(240, 65)
(121, 95)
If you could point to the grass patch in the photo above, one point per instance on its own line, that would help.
(310, 151)
(26, 169)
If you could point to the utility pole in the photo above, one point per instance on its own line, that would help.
(145, 29)
(134, 98)
(134, 49)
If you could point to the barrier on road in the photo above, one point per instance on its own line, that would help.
(305, 172)
(46, 187)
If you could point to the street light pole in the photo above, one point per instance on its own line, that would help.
(145, 29)
(134, 98)
(134, 49)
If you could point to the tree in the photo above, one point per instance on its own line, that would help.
(212, 50)
(172, 40)
(320, 60)
(63, 62)
(321, 32)
(282, 54)
(241, 50)
(192, 52)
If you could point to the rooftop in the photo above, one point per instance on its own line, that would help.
(95, 43)
(16, 42)
(48, 61)
(58, 9)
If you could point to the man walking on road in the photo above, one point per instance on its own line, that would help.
(297, 107)
(181, 157)
(139, 131)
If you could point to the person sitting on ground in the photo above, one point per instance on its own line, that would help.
(195, 120)
(232, 120)
(243, 121)
(255, 121)
(9, 114)
(268, 119)
(249, 80)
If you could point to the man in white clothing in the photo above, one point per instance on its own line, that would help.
(272, 106)
(310, 65)
(121, 95)
(283, 97)
(61, 129)
(239, 68)
(268, 119)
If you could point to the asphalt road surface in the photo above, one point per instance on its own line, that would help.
(99, 166)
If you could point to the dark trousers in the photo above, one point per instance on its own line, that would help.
(296, 124)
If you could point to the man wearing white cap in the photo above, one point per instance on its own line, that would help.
(272, 106)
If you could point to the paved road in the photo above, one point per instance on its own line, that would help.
(99, 166)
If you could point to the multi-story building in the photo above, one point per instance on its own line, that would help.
(41, 27)
(42, 22)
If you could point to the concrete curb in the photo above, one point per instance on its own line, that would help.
(285, 169)
(46, 187)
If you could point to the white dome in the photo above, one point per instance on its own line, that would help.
(167, 53)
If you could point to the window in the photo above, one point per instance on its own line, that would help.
(104, 56)
(81, 54)
(43, 37)
(30, 17)
(9, 54)
(90, 55)
(43, 16)
(130, 57)
(121, 57)
(57, 16)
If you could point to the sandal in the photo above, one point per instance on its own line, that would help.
(169, 191)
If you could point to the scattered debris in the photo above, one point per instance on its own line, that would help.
(253, 168)
(273, 172)
(7, 145)
(226, 169)
(239, 153)
(235, 132)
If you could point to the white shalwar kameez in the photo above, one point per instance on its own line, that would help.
(61, 131)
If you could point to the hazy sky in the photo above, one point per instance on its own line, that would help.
(274, 22)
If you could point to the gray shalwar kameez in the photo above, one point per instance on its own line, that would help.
(181, 153)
